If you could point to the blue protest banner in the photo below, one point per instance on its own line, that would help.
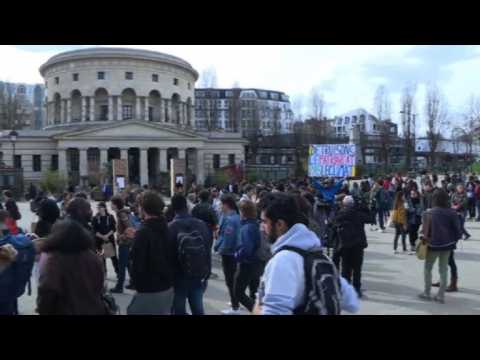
(331, 160)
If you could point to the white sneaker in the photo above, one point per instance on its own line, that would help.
(396, 252)
(231, 312)
(381, 231)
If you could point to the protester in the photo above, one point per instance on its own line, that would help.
(427, 196)
(227, 244)
(470, 190)
(71, 277)
(13, 212)
(283, 285)
(399, 220)
(248, 193)
(459, 203)
(104, 227)
(440, 232)
(245, 256)
(378, 200)
(351, 221)
(192, 241)
(48, 213)
(152, 261)
(125, 236)
(205, 212)
(17, 256)
(216, 202)
(414, 218)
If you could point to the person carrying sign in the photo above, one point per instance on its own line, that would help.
(329, 190)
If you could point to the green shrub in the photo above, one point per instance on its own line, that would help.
(53, 182)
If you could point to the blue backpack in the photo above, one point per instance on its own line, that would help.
(15, 278)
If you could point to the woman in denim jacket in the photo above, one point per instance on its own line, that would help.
(227, 243)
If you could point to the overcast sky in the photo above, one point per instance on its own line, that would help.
(346, 75)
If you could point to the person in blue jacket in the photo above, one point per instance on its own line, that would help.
(329, 190)
(246, 254)
(227, 244)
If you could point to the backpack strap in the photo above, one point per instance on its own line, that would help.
(307, 265)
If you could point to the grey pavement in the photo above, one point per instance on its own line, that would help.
(391, 282)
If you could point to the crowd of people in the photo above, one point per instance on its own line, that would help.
(276, 242)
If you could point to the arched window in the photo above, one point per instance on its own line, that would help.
(101, 105)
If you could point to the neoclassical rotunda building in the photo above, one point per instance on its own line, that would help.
(115, 103)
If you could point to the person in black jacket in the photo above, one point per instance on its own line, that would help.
(189, 286)
(352, 241)
(48, 213)
(104, 227)
(205, 212)
(152, 259)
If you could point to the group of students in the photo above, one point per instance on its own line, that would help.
(263, 240)
(270, 238)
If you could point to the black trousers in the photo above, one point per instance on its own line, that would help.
(471, 207)
(243, 277)
(352, 261)
(413, 234)
(229, 265)
(399, 231)
(259, 267)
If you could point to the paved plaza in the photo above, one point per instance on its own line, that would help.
(391, 282)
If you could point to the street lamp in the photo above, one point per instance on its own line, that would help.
(13, 138)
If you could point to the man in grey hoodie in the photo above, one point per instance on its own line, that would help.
(282, 288)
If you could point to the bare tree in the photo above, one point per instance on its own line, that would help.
(408, 122)
(382, 104)
(382, 108)
(436, 113)
(208, 78)
(297, 107)
(470, 125)
(317, 104)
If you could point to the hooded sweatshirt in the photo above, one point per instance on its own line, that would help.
(282, 288)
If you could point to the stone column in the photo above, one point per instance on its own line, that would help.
(162, 154)
(47, 113)
(200, 166)
(69, 111)
(103, 157)
(92, 108)
(168, 111)
(62, 111)
(110, 108)
(145, 115)
(162, 111)
(119, 108)
(62, 162)
(83, 164)
(143, 167)
(184, 114)
(84, 108)
(137, 109)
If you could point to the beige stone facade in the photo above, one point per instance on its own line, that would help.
(108, 103)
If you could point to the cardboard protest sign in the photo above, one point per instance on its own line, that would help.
(331, 160)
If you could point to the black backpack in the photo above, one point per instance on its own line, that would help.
(193, 254)
(322, 284)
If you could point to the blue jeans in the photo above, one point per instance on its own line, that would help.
(191, 289)
(381, 218)
(123, 257)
